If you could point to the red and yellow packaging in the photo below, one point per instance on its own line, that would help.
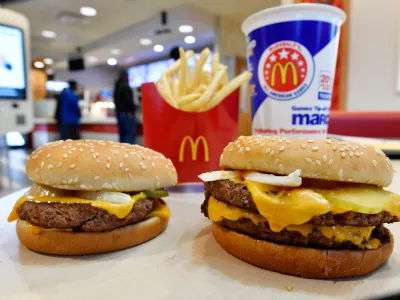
(192, 140)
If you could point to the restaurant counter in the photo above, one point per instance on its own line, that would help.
(46, 130)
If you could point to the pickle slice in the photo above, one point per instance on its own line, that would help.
(159, 193)
(363, 200)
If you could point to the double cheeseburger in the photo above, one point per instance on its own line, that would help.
(310, 208)
(92, 197)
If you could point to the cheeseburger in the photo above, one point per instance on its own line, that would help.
(93, 197)
(310, 208)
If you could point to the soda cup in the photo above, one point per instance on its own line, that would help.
(292, 53)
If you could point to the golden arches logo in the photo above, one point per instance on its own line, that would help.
(283, 70)
(194, 145)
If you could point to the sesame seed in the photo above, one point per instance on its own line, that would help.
(64, 182)
(48, 155)
(64, 147)
(248, 149)
(287, 141)
(364, 146)
(318, 162)
(113, 184)
(130, 176)
(107, 165)
(325, 158)
(83, 186)
(109, 158)
(268, 150)
(330, 162)
(76, 179)
(257, 142)
(281, 167)
(357, 154)
(340, 173)
(42, 164)
(281, 148)
(97, 160)
(303, 146)
(59, 164)
(70, 181)
(307, 159)
(34, 157)
(334, 148)
(73, 149)
(70, 152)
(351, 154)
(315, 148)
(238, 145)
(143, 166)
(50, 166)
(72, 166)
(276, 161)
(343, 154)
(262, 144)
(272, 153)
(310, 141)
(126, 155)
(361, 153)
(241, 149)
(94, 155)
(121, 165)
(153, 164)
(96, 177)
(280, 141)
(80, 149)
(127, 169)
(374, 162)
(329, 141)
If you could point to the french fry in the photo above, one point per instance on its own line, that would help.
(184, 73)
(229, 88)
(165, 95)
(201, 88)
(205, 77)
(176, 65)
(197, 72)
(175, 88)
(215, 63)
(187, 99)
(165, 84)
(205, 98)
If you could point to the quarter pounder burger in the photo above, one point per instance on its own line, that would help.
(310, 208)
(92, 197)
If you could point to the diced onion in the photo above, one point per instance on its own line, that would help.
(219, 175)
(112, 197)
(293, 179)
(38, 190)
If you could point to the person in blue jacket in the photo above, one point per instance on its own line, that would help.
(70, 113)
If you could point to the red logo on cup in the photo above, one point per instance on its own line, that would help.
(286, 69)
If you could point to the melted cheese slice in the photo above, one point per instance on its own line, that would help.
(217, 211)
(118, 210)
(296, 206)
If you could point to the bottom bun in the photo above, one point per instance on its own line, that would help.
(81, 243)
(301, 261)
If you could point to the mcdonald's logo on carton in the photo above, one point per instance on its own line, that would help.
(286, 70)
(193, 146)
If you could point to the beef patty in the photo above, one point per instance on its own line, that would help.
(81, 217)
(315, 239)
(238, 195)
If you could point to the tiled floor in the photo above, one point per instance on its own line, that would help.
(12, 171)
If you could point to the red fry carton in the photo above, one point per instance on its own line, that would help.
(193, 141)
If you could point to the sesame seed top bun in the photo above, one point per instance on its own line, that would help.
(99, 165)
(327, 159)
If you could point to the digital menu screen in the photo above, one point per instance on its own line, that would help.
(12, 63)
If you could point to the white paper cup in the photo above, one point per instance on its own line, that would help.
(292, 53)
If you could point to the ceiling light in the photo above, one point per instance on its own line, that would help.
(92, 59)
(115, 51)
(145, 42)
(190, 39)
(49, 34)
(48, 61)
(38, 64)
(185, 28)
(88, 11)
(158, 48)
(112, 61)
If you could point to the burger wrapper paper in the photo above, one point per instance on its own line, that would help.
(193, 141)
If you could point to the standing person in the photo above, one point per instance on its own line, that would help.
(70, 112)
(125, 109)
